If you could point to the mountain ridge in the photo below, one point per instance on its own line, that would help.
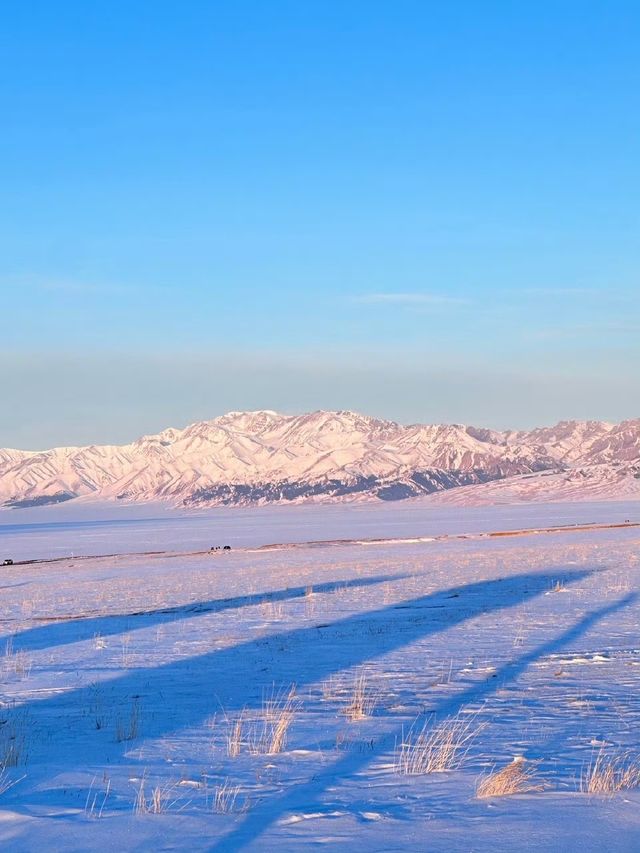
(263, 456)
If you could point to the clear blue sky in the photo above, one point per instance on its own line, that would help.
(422, 210)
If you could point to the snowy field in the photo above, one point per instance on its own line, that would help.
(344, 697)
(87, 527)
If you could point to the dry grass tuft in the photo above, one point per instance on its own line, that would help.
(6, 781)
(435, 749)
(140, 805)
(234, 737)
(126, 654)
(97, 799)
(362, 700)
(264, 732)
(129, 728)
(14, 663)
(609, 774)
(226, 799)
(163, 798)
(279, 711)
(332, 690)
(516, 778)
(13, 739)
(271, 610)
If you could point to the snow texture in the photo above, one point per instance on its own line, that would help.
(143, 695)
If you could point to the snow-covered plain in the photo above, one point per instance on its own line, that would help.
(105, 528)
(141, 693)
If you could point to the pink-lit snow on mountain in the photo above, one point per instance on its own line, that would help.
(256, 457)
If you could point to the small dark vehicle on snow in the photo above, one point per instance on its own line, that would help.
(7, 562)
(227, 548)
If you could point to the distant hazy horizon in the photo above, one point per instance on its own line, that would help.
(86, 434)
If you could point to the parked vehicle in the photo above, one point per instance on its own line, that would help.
(7, 562)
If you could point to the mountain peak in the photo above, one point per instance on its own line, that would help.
(262, 455)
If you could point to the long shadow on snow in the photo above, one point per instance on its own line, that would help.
(74, 629)
(186, 692)
(307, 795)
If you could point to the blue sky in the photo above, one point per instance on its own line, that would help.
(426, 211)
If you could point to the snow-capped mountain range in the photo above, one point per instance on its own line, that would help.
(259, 457)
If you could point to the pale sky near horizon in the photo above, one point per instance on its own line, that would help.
(420, 210)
